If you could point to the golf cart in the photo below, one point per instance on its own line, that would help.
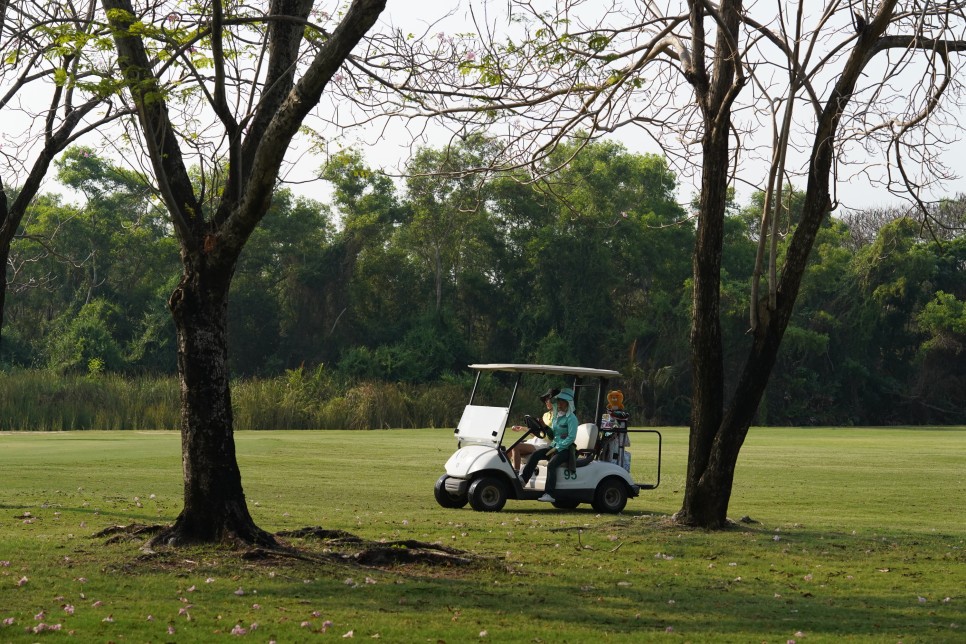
(480, 472)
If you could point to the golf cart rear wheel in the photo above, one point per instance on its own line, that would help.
(444, 498)
(487, 494)
(611, 496)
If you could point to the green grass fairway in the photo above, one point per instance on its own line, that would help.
(858, 535)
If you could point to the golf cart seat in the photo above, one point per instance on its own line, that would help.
(585, 444)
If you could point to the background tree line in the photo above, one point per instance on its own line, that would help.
(407, 283)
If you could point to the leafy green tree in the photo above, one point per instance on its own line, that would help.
(275, 320)
(602, 252)
(909, 318)
(939, 389)
(87, 341)
(367, 282)
(448, 216)
(45, 49)
(808, 385)
(114, 247)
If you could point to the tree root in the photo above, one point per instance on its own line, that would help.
(340, 546)
(128, 532)
(339, 536)
(383, 555)
(388, 553)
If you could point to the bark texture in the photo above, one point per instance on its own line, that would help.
(708, 486)
(214, 501)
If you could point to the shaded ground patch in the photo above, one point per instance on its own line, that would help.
(337, 546)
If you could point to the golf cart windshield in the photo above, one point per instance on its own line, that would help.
(482, 425)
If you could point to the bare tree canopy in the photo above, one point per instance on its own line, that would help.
(536, 73)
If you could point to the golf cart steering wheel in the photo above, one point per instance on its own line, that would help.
(534, 425)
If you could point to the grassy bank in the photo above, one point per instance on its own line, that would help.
(45, 401)
(858, 535)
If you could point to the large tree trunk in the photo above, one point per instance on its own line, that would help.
(717, 434)
(704, 485)
(214, 502)
(708, 481)
(6, 225)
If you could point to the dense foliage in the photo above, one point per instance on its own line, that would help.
(408, 283)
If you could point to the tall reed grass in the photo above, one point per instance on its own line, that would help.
(32, 400)
(45, 401)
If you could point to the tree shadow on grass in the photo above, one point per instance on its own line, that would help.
(766, 597)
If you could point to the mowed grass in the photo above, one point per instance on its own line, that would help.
(858, 535)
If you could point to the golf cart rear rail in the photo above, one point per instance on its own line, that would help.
(660, 450)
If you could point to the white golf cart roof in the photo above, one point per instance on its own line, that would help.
(552, 369)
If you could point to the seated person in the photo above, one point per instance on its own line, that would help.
(564, 430)
(530, 445)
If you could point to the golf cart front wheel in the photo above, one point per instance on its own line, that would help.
(443, 496)
(611, 496)
(487, 494)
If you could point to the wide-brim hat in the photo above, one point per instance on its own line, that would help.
(549, 393)
(566, 394)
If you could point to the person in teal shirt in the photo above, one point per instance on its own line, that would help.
(564, 431)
